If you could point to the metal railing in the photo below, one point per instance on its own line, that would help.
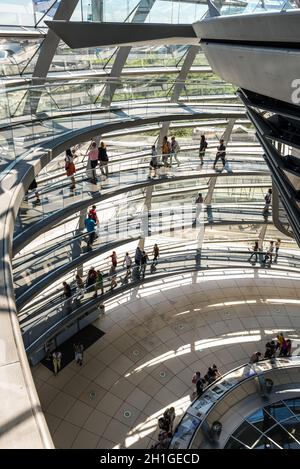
(50, 314)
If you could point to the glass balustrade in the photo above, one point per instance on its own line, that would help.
(66, 107)
(42, 314)
(256, 7)
(196, 417)
(165, 221)
(132, 174)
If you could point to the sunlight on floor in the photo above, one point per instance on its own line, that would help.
(203, 344)
(150, 424)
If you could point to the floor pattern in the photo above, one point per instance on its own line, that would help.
(156, 337)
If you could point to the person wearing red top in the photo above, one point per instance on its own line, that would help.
(114, 259)
(93, 214)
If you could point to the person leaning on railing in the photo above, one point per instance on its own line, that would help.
(199, 382)
(255, 357)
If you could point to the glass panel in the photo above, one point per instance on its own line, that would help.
(261, 420)
(159, 56)
(282, 438)
(17, 12)
(279, 411)
(293, 427)
(45, 9)
(164, 11)
(15, 55)
(294, 405)
(257, 6)
(247, 434)
(234, 444)
(265, 443)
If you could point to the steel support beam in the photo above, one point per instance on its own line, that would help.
(140, 15)
(47, 52)
(145, 220)
(178, 86)
(278, 211)
(262, 235)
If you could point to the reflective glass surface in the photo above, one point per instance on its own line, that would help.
(261, 431)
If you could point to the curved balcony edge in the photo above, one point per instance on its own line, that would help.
(48, 222)
(195, 417)
(93, 303)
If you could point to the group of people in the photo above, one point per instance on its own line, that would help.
(220, 154)
(57, 357)
(211, 375)
(93, 282)
(270, 256)
(97, 156)
(284, 346)
(165, 425)
(95, 278)
(171, 149)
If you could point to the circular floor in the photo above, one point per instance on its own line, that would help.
(156, 337)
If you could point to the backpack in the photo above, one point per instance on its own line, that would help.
(268, 199)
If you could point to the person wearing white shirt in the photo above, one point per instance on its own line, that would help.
(128, 263)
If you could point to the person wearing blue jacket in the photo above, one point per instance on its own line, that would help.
(90, 225)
